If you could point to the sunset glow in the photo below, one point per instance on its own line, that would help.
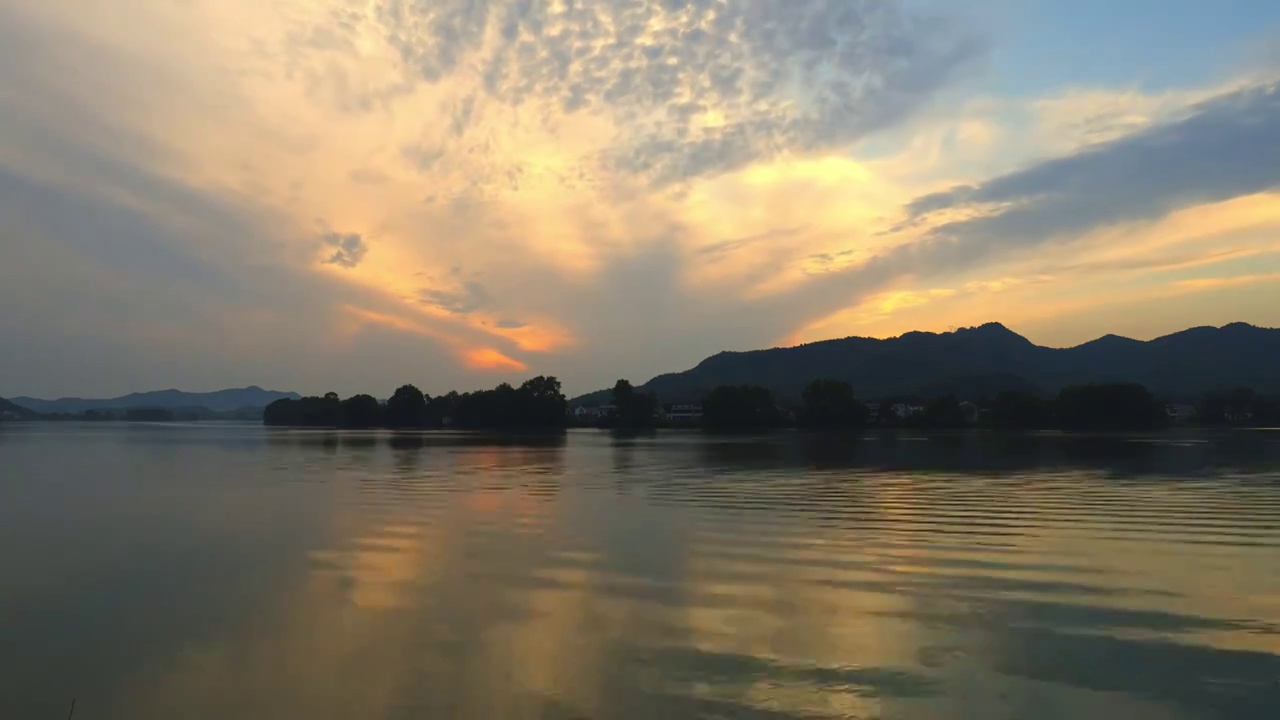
(451, 191)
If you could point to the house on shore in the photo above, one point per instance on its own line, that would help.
(683, 414)
(873, 411)
(1180, 413)
(592, 413)
(905, 410)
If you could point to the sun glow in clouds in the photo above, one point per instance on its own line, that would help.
(592, 189)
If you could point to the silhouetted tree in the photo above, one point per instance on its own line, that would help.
(304, 412)
(886, 414)
(1242, 406)
(406, 408)
(1212, 409)
(279, 412)
(537, 404)
(488, 409)
(442, 409)
(1015, 410)
(741, 407)
(1267, 411)
(622, 392)
(831, 404)
(942, 412)
(542, 402)
(474, 409)
(1115, 406)
(634, 409)
(361, 411)
(1241, 402)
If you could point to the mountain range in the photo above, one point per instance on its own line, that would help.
(969, 362)
(988, 359)
(220, 401)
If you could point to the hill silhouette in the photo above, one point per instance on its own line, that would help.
(219, 401)
(988, 359)
(8, 409)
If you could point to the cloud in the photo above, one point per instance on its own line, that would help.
(695, 87)
(423, 158)
(368, 176)
(223, 307)
(1227, 147)
(1168, 260)
(727, 246)
(349, 249)
(471, 297)
(1223, 148)
(827, 259)
(490, 359)
(630, 185)
(1210, 283)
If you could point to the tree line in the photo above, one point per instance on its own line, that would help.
(832, 404)
(1128, 406)
(144, 414)
(537, 404)
(1242, 406)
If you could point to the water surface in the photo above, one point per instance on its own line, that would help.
(224, 571)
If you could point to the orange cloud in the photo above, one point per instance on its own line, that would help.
(1211, 283)
(477, 358)
(539, 338)
(490, 359)
(399, 323)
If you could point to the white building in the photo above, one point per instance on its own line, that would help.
(588, 412)
(1180, 413)
(684, 413)
(904, 411)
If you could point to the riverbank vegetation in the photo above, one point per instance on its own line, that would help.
(825, 404)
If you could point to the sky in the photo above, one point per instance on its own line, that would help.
(349, 195)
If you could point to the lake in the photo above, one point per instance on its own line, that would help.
(231, 571)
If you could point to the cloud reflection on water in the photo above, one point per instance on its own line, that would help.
(676, 576)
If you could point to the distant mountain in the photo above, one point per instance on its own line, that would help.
(990, 358)
(10, 411)
(221, 401)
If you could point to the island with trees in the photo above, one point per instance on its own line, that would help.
(538, 404)
(824, 405)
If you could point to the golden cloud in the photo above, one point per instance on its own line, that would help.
(490, 359)
(603, 181)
